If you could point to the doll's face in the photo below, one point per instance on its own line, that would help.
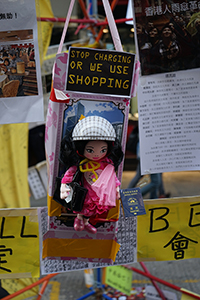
(95, 150)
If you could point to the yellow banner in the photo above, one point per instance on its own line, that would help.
(14, 189)
(170, 230)
(187, 297)
(44, 10)
(14, 285)
(19, 244)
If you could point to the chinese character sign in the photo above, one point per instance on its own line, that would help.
(169, 230)
(167, 35)
(119, 278)
(19, 243)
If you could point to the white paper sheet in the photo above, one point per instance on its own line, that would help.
(169, 121)
(19, 32)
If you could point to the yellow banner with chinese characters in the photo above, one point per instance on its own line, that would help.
(19, 243)
(14, 192)
(170, 230)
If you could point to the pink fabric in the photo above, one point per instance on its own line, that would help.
(105, 187)
(68, 177)
(101, 194)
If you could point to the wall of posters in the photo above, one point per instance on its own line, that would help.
(21, 97)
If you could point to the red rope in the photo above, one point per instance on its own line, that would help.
(91, 21)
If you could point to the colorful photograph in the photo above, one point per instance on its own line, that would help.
(168, 35)
(17, 64)
(107, 110)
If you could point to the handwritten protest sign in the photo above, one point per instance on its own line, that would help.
(170, 229)
(19, 243)
(119, 278)
(100, 71)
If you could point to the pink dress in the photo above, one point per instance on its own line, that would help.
(101, 194)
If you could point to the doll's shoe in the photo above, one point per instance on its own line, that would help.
(91, 229)
(78, 224)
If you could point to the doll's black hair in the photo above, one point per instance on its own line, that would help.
(71, 152)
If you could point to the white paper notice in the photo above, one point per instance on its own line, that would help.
(21, 98)
(169, 122)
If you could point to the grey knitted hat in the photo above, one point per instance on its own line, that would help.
(94, 128)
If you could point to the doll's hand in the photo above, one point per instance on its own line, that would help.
(64, 190)
(117, 193)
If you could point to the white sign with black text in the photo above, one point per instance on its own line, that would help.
(169, 121)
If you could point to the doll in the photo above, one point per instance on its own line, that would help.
(94, 149)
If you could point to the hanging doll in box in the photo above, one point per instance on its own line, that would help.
(93, 151)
